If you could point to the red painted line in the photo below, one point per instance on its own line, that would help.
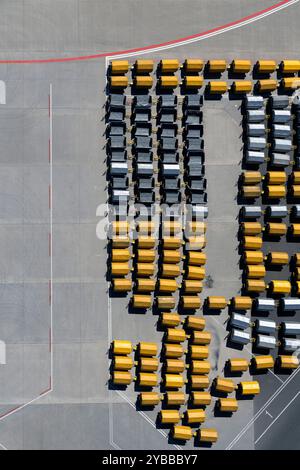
(146, 48)
(49, 151)
(49, 196)
(50, 292)
(10, 411)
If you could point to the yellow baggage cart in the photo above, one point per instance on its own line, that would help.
(266, 66)
(167, 285)
(121, 377)
(200, 398)
(172, 243)
(190, 302)
(143, 81)
(252, 243)
(201, 337)
(165, 302)
(195, 272)
(145, 269)
(195, 322)
(218, 87)
(174, 366)
(197, 258)
(142, 301)
(145, 285)
(267, 85)
(295, 190)
(182, 433)
(121, 346)
(119, 81)
(216, 302)
(255, 271)
(144, 65)
(120, 269)
(227, 405)
(176, 335)
(122, 285)
(120, 254)
(251, 228)
(194, 415)
(170, 270)
(241, 65)
(193, 65)
(199, 382)
(290, 83)
(169, 416)
(263, 362)
(295, 230)
(174, 381)
(120, 241)
(119, 66)
(252, 191)
(275, 191)
(171, 256)
(241, 302)
(290, 66)
(252, 177)
(249, 388)
(276, 177)
(197, 242)
(148, 379)
(238, 364)
(276, 229)
(122, 363)
(253, 257)
(173, 350)
(198, 352)
(168, 81)
(200, 367)
(278, 258)
(255, 285)
(169, 65)
(208, 435)
(288, 362)
(148, 364)
(193, 81)
(175, 398)
(224, 385)
(147, 349)
(217, 65)
(170, 319)
(192, 286)
(149, 398)
(242, 86)
(146, 256)
(295, 177)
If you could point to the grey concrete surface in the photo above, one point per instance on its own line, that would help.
(77, 414)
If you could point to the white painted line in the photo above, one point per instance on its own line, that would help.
(205, 36)
(51, 225)
(277, 417)
(149, 420)
(262, 409)
(2, 92)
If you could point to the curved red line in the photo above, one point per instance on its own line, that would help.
(146, 48)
